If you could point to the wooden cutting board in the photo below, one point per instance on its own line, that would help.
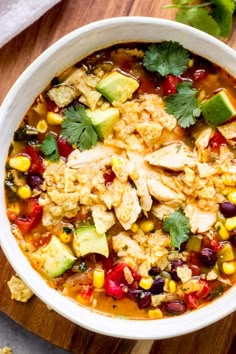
(219, 338)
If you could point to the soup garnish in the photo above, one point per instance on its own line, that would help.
(120, 181)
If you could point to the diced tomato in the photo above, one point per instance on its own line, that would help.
(204, 292)
(51, 105)
(86, 292)
(107, 263)
(11, 215)
(215, 244)
(34, 214)
(109, 176)
(195, 269)
(194, 258)
(64, 148)
(190, 300)
(42, 241)
(169, 84)
(217, 141)
(36, 160)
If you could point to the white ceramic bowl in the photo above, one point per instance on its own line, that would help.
(65, 52)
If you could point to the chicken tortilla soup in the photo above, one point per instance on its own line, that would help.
(120, 181)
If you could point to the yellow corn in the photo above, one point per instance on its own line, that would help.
(14, 208)
(54, 118)
(147, 226)
(229, 267)
(146, 282)
(42, 126)
(232, 196)
(155, 314)
(65, 237)
(223, 232)
(134, 228)
(230, 223)
(98, 278)
(191, 63)
(81, 300)
(229, 179)
(24, 192)
(20, 163)
(172, 286)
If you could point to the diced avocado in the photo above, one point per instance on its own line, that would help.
(104, 121)
(116, 87)
(194, 244)
(56, 257)
(88, 240)
(218, 109)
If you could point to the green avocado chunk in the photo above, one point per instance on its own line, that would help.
(116, 87)
(218, 109)
(104, 121)
(56, 257)
(88, 240)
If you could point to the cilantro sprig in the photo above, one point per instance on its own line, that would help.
(77, 128)
(166, 58)
(49, 148)
(214, 17)
(183, 104)
(177, 224)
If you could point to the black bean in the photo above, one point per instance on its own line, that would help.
(135, 294)
(145, 300)
(154, 271)
(232, 239)
(174, 265)
(208, 257)
(34, 181)
(175, 307)
(157, 285)
(228, 209)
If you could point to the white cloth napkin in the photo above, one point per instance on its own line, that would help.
(16, 15)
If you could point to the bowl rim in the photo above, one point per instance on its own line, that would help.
(87, 318)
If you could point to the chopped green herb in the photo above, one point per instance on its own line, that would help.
(50, 149)
(166, 58)
(177, 224)
(214, 17)
(25, 132)
(183, 104)
(77, 128)
(67, 230)
(125, 248)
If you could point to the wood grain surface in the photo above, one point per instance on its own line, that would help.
(219, 338)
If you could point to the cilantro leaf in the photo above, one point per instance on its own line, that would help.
(166, 58)
(77, 128)
(177, 224)
(183, 104)
(49, 148)
(223, 11)
(200, 19)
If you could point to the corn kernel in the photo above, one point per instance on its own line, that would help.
(98, 278)
(172, 286)
(134, 228)
(228, 190)
(230, 223)
(232, 196)
(65, 237)
(229, 267)
(155, 314)
(54, 118)
(42, 126)
(20, 163)
(222, 231)
(147, 226)
(229, 180)
(191, 63)
(24, 192)
(14, 208)
(146, 283)
(116, 161)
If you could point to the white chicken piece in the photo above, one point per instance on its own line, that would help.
(175, 156)
(200, 220)
(103, 219)
(125, 246)
(203, 137)
(228, 130)
(161, 210)
(94, 155)
(138, 173)
(205, 170)
(164, 194)
(129, 209)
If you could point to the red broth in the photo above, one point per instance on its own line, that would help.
(119, 203)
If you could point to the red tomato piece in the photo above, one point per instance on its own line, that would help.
(169, 84)
(195, 269)
(191, 301)
(204, 292)
(11, 215)
(217, 141)
(215, 244)
(107, 263)
(86, 292)
(36, 160)
(109, 176)
(51, 105)
(64, 148)
(32, 218)
(199, 74)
